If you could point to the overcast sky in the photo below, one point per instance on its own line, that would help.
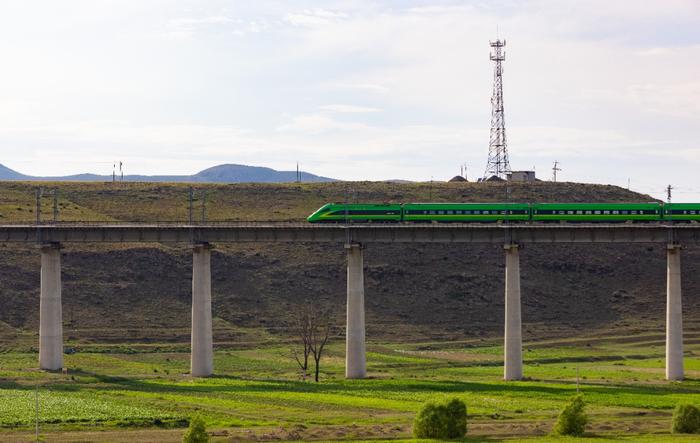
(353, 89)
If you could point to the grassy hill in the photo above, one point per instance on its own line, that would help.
(261, 201)
(141, 293)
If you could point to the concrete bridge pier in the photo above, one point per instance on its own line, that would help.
(202, 357)
(355, 359)
(50, 312)
(674, 315)
(512, 347)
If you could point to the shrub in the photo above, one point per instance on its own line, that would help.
(441, 420)
(197, 432)
(686, 419)
(572, 419)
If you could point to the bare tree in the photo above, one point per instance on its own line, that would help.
(302, 330)
(320, 330)
(312, 328)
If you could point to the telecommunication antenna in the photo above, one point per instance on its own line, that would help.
(555, 169)
(669, 188)
(121, 170)
(298, 174)
(497, 164)
(114, 172)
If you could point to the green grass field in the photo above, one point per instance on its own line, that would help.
(129, 380)
(257, 394)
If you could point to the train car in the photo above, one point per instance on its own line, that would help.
(596, 212)
(681, 212)
(356, 213)
(465, 212)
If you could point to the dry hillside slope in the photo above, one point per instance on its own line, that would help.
(141, 293)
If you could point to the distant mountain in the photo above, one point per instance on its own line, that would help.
(242, 174)
(8, 174)
(228, 173)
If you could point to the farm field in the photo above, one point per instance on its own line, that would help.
(257, 394)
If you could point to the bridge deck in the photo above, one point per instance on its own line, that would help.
(341, 233)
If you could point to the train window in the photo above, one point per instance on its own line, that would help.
(449, 212)
(634, 212)
(579, 212)
(693, 212)
(616, 212)
(425, 212)
(504, 212)
(432, 212)
(562, 212)
(606, 212)
(589, 212)
(625, 212)
(441, 212)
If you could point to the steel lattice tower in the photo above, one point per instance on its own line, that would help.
(498, 163)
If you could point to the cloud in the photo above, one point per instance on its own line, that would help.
(359, 89)
(314, 17)
(350, 109)
(186, 27)
(314, 124)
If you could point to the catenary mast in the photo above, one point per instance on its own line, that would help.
(498, 164)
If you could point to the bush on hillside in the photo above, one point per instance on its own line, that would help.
(197, 432)
(441, 420)
(686, 419)
(572, 419)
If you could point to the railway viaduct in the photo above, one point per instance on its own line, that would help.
(49, 238)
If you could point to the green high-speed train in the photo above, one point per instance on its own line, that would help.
(500, 212)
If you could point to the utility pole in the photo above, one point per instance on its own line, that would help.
(36, 411)
(298, 175)
(498, 163)
(191, 198)
(55, 205)
(114, 172)
(39, 192)
(555, 169)
(347, 198)
(121, 171)
(669, 188)
(204, 205)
